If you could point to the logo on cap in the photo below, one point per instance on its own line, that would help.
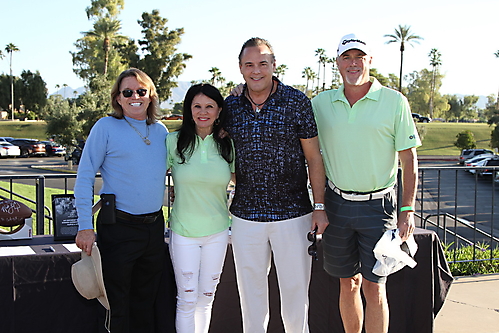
(346, 41)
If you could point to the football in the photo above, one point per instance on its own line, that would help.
(13, 213)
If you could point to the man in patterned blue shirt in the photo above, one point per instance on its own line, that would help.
(274, 134)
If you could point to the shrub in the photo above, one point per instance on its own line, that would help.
(468, 260)
(465, 140)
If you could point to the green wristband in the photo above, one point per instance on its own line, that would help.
(407, 209)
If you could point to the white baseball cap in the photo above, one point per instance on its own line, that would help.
(351, 41)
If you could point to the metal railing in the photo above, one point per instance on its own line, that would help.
(459, 206)
(39, 183)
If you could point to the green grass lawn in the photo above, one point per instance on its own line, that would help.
(28, 191)
(24, 129)
(439, 138)
(37, 129)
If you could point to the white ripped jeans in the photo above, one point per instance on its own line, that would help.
(198, 263)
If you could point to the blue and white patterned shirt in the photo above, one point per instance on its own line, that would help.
(271, 174)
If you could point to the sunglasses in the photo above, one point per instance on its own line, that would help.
(128, 92)
(312, 249)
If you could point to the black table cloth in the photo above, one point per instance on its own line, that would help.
(37, 294)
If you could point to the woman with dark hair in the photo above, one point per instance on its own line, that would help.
(202, 165)
(128, 148)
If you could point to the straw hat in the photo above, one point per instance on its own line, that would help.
(87, 277)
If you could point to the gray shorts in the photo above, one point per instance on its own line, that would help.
(354, 229)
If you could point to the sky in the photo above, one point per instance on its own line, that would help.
(465, 32)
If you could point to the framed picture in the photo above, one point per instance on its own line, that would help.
(65, 223)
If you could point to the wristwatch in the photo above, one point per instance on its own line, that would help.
(319, 206)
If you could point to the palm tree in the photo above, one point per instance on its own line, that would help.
(325, 60)
(335, 74)
(309, 75)
(497, 56)
(229, 86)
(65, 86)
(281, 70)
(216, 76)
(322, 54)
(11, 48)
(106, 30)
(435, 62)
(403, 35)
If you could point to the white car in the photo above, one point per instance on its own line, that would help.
(477, 161)
(489, 166)
(470, 153)
(7, 149)
(473, 160)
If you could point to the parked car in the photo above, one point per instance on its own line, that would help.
(29, 147)
(492, 162)
(6, 139)
(469, 153)
(173, 117)
(421, 119)
(73, 155)
(477, 161)
(54, 149)
(7, 149)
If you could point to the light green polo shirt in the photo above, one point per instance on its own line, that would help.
(200, 206)
(359, 144)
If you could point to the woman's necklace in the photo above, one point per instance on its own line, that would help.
(144, 138)
(257, 109)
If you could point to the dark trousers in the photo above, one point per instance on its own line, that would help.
(132, 262)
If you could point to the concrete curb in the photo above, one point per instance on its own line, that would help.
(438, 158)
(56, 168)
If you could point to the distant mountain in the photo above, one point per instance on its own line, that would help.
(69, 92)
(482, 100)
(177, 96)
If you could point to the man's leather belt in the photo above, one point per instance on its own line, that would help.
(144, 218)
(353, 196)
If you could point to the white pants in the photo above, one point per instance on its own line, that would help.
(198, 265)
(253, 243)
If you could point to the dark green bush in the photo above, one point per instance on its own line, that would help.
(469, 260)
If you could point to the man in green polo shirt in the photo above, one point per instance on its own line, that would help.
(364, 130)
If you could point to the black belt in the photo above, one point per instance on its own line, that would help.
(143, 218)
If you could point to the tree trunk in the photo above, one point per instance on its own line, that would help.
(432, 92)
(323, 76)
(319, 77)
(402, 48)
(11, 87)
(107, 47)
